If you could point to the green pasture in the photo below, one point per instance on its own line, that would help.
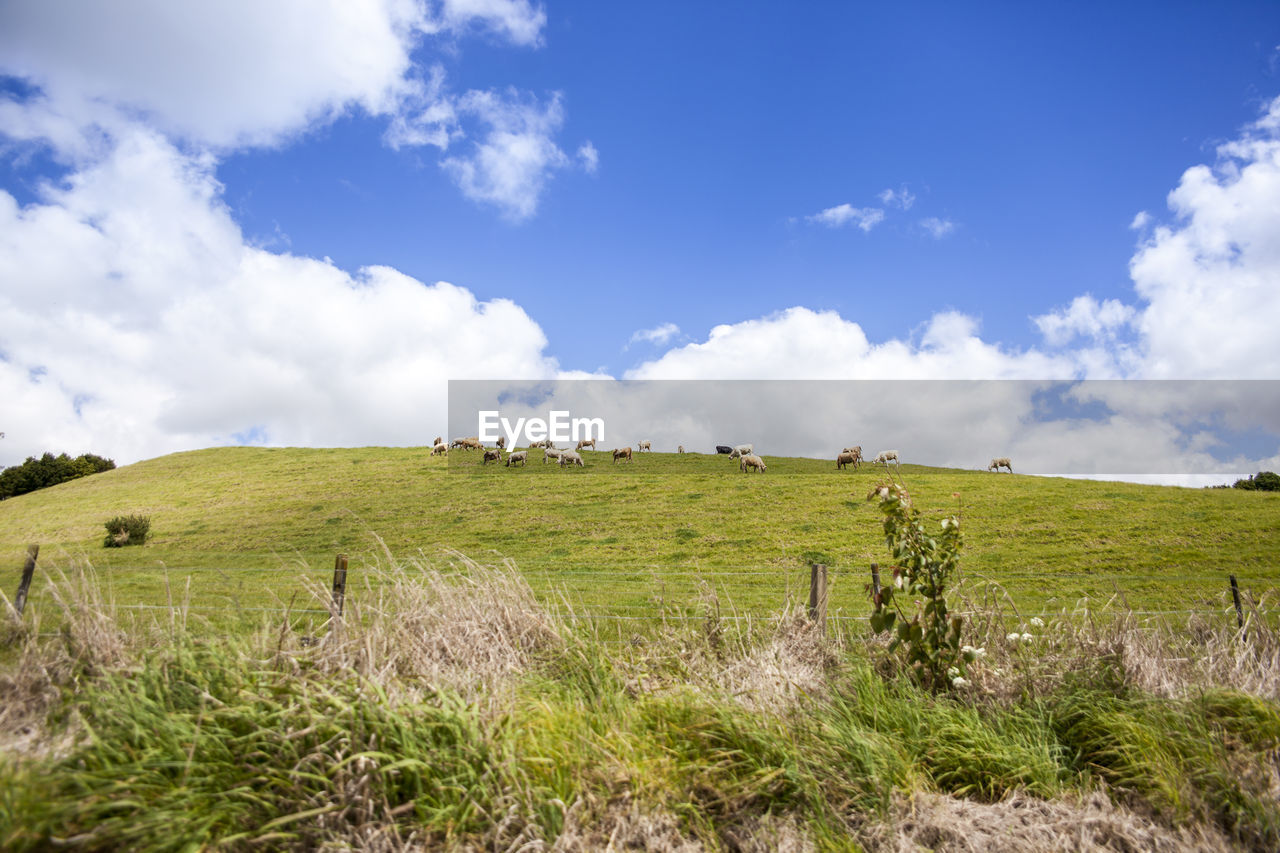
(253, 528)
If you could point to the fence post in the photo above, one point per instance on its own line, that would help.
(818, 595)
(1235, 595)
(28, 570)
(339, 584)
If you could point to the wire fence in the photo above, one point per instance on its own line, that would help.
(645, 592)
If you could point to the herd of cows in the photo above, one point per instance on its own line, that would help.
(748, 461)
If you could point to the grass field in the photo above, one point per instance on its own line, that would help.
(545, 733)
(243, 526)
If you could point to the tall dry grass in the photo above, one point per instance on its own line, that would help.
(450, 708)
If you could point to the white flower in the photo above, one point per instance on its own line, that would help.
(953, 673)
(1026, 638)
(959, 682)
(1037, 622)
(1014, 637)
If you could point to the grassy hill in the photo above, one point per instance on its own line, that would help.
(245, 525)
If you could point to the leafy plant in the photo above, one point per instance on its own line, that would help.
(127, 530)
(925, 562)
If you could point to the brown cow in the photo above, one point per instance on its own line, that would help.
(494, 455)
(624, 453)
(586, 442)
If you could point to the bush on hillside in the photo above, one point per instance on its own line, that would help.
(127, 530)
(49, 470)
(1263, 481)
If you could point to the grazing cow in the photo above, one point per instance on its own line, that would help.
(472, 444)
(645, 445)
(494, 455)
(723, 449)
(437, 441)
(846, 459)
(1000, 462)
(552, 453)
(885, 457)
(680, 449)
(750, 460)
(440, 449)
(571, 458)
(521, 456)
(742, 450)
(586, 442)
(624, 453)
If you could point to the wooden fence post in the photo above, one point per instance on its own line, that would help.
(339, 584)
(28, 570)
(1235, 595)
(818, 595)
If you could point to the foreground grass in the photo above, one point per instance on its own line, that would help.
(246, 526)
(459, 713)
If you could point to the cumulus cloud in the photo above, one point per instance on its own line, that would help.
(657, 335)
(145, 324)
(865, 218)
(589, 157)
(517, 155)
(516, 21)
(937, 228)
(1209, 278)
(800, 343)
(901, 198)
(219, 74)
(222, 76)
(1085, 317)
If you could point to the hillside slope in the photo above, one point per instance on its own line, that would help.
(246, 523)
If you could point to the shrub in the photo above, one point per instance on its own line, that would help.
(127, 530)
(925, 562)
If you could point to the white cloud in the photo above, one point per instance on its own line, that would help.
(589, 157)
(1085, 317)
(1141, 220)
(228, 75)
(221, 74)
(865, 218)
(1211, 280)
(938, 228)
(145, 324)
(517, 155)
(800, 343)
(516, 21)
(901, 198)
(657, 335)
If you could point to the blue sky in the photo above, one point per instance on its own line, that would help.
(1040, 133)
(684, 190)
